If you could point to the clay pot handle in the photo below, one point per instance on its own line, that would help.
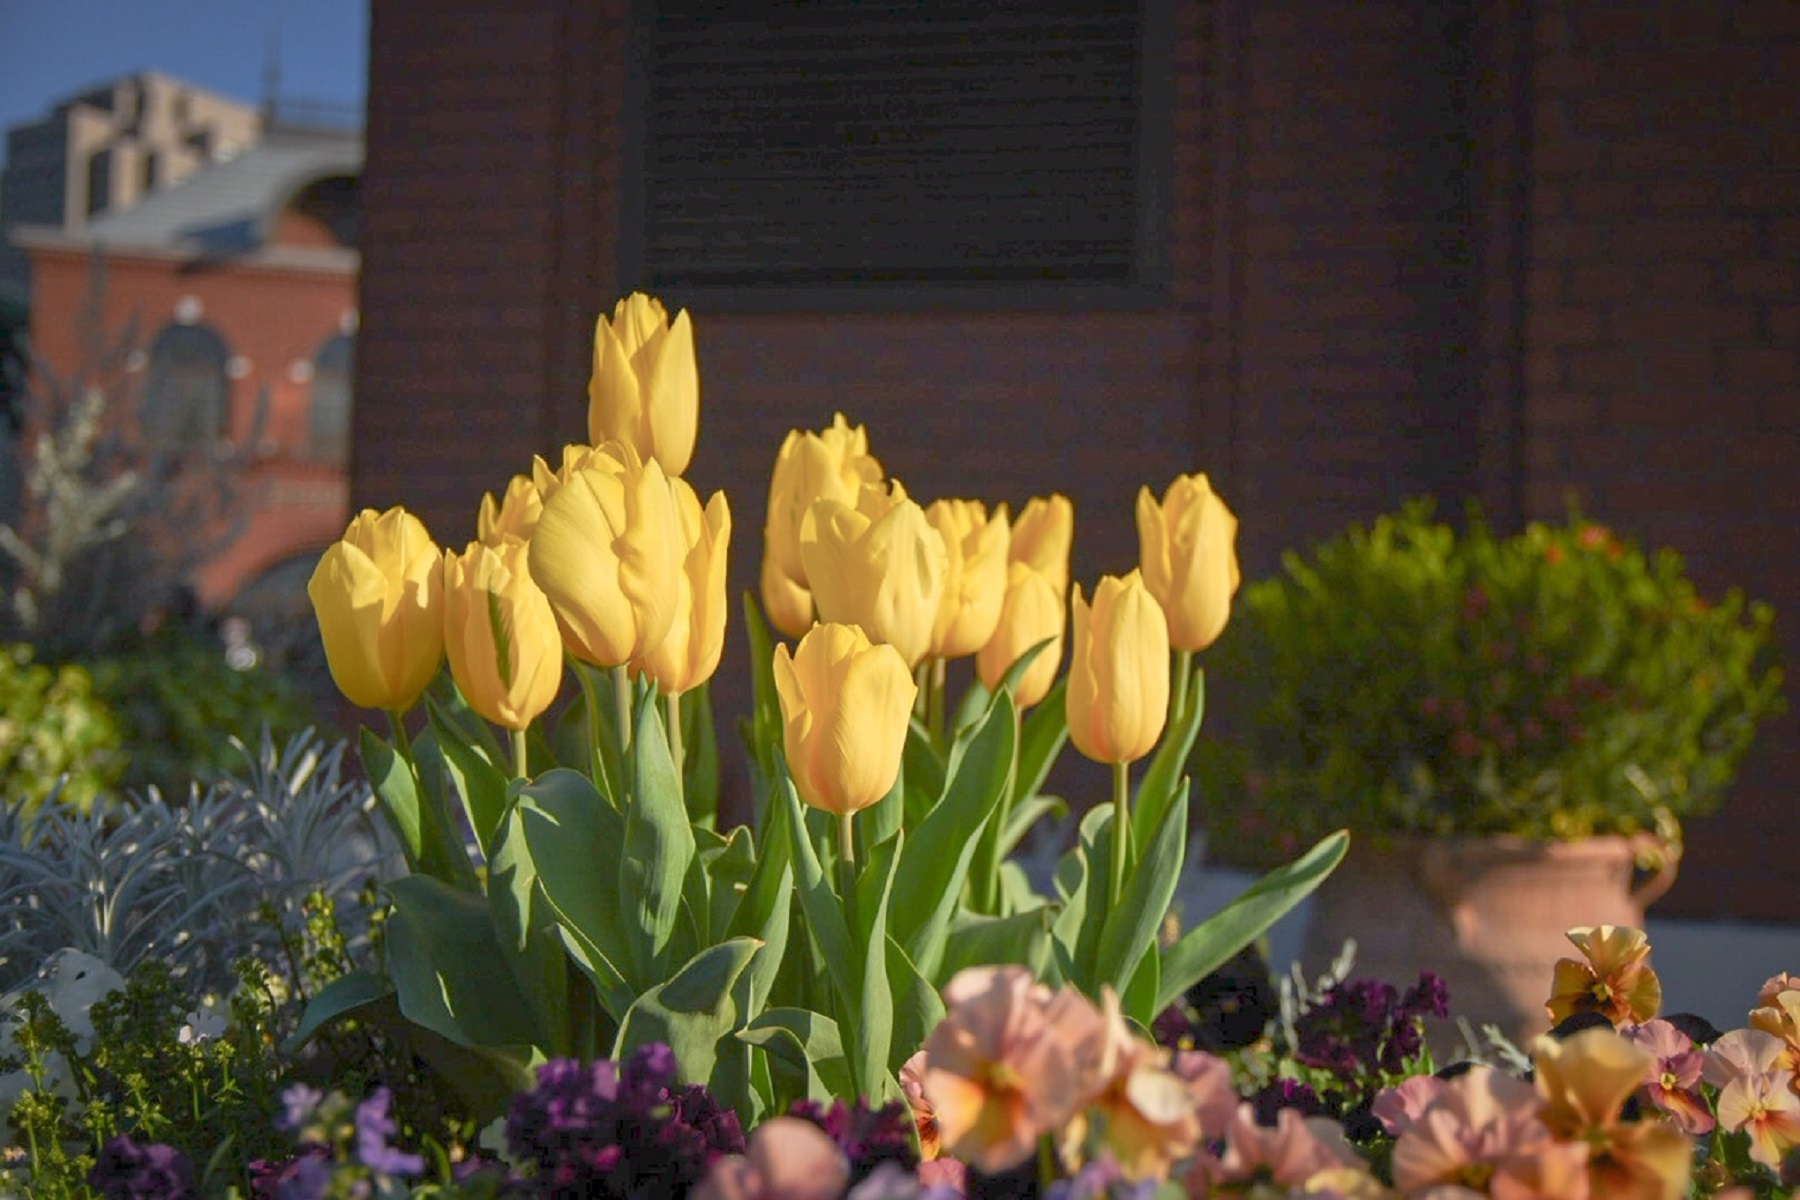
(1667, 856)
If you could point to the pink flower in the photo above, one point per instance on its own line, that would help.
(912, 1086)
(1481, 1131)
(1290, 1155)
(1397, 1108)
(1674, 1085)
(786, 1159)
(1755, 1092)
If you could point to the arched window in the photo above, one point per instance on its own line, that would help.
(328, 414)
(186, 388)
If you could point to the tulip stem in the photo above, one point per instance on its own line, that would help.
(521, 757)
(1184, 670)
(935, 711)
(922, 698)
(590, 696)
(676, 754)
(847, 856)
(1121, 832)
(622, 697)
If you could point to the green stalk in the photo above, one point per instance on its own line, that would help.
(1184, 670)
(590, 696)
(922, 698)
(935, 701)
(622, 697)
(847, 857)
(673, 700)
(521, 763)
(1121, 831)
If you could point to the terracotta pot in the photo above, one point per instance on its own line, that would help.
(1488, 914)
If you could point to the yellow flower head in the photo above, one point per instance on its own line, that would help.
(548, 480)
(1042, 536)
(1118, 671)
(845, 707)
(645, 389)
(1031, 611)
(1613, 978)
(500, 634)
(689, 655)
(1188, 549)
(878, 564)
(832, 464)
(975, 578)
(1585, 1081)
(378, 594)
(515, 516)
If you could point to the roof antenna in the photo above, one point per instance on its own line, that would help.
(272, 74)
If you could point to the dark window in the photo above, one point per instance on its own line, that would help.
(328, 413)
(99, 181)
(186, 387)
(149, 172)
(941, 145)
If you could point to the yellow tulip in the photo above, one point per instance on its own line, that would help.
(1118, 671)
(379, 598)
(548, 480)
(1042, 535)
(500, 635)
(845, 707)
(645, 389)
(832, 464)
(514, 516)
(879, 565)
(1188, 550)
(975, 578)
(607, 551)
(1031, 612)
(689, 655)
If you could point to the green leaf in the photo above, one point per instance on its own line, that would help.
(1212, 943)
(447, 964)
(527, 932)
(875, 1013)
(1138, 1000)
(923, 771)
(766, 907)
(692, 1011)
(824, 911)
(659, 845)
(808, 1043)
(728, 868)
(975, 939)
(394, 785)
(765, 707)
(917, 1006)
(1157, 788)
(342, 996)
(1046, 728)
(935, 862)
(1130, 930)
(1081, 878)
(700, 752)
(575, 838)
(1026, 812)
(480, 783)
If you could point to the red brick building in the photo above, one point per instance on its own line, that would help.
(241, 283)
(1335, 252)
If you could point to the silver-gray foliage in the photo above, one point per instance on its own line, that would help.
(190, 881)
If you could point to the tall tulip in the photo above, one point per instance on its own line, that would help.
(975, 579)
(1042, 535)
(845, 706)
(379, 597)
(1031, 611)
(689, 655)
(500, 635)
(878, 564)
(1188, 550)
(548, 480)
(832, 464)
(513, 516)
(645, 389)
(607, 552)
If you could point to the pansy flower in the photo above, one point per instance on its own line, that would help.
(1674, 1086)
(1755, 1092)
(1585, 1081)
(1481, 1131)
(1292, 1154)
(1615, 980)
(1778, 1012)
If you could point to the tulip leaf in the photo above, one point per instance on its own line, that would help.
(883, 819)
(728, 868)
(808, 1043)
(1016, 891)
(937, 857)
(1130, 929)
(976, 939)
(442, 954)
(923, 771)
(575, 838)
(391, 778)
(659, 845)
(700, 756)
(765, 708)
(344, 995)
(1046, 728)
(1212, 943)
(1082, 879)
(692, 1011)
(1026, 812)
(478, 781)
(1157, 789)
(875, 1014)
(527, 932)
(824, 911)
(766, 906)
(1138, 999)
(917, 1006)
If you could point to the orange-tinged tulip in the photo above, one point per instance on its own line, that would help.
(514, 516)
(1118, 671)
(645, 389)
(1188, 549)
(1042, 536)
(1585, 1081)
(1031, 611)
(1615, 980)
(379, 598)
(878, 564)
(832, 464)
(974, 577)
(608, 552)
(845, 707)
(689, 655)
(500, 635)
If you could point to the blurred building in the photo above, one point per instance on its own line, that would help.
(240, 284)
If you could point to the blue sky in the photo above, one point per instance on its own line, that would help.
(50, 49)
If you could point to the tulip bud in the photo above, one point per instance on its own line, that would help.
(500, 635)
(645, 389)
(1031, 612)
(845, 707)
(832, 464)
(607, 551)
(879, 565)
(1188, 550)
(1042, 535)
(1118, 671)
(548, 480)
(975, 575)
(379, 598)
(689, 655)
(515, 516)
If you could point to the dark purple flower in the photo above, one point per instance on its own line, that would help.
(868, 1137)
(1278, 1094)
(306, 1176)
(373, 1128)
(128, 1171)
(1430, 997)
